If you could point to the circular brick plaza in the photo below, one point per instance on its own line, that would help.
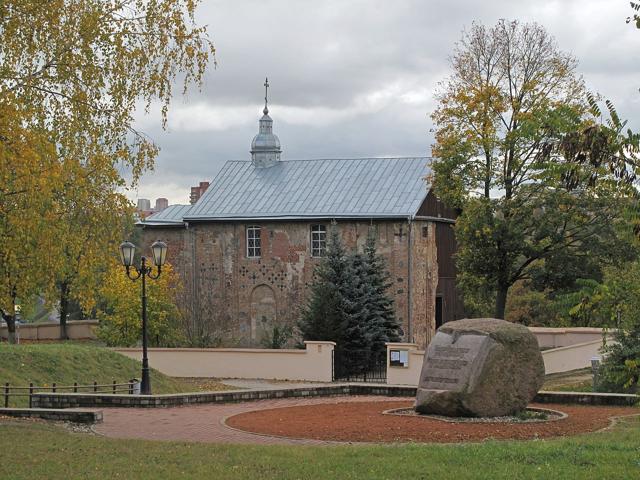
(319, 421)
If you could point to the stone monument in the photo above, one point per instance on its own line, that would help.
(480, 367)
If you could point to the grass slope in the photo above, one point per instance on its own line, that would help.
(574, 381)
(39, 450)
(65, 363)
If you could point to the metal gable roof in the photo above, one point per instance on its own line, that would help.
(327, 188)
(172, 215)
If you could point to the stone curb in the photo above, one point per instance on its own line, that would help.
(588, 398)
(558, 415)
(49, 400)
(86, 400)
(75, 415)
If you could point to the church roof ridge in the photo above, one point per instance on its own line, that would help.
(326, 159)
(369, 187)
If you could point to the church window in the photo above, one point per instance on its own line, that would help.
(318, 240)
(253, 242)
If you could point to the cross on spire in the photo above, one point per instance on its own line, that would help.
(266, 92)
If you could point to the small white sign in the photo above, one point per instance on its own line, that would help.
(404, 358)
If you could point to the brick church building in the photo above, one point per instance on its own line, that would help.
(246, 250)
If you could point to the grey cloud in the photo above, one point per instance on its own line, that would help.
(329, 54)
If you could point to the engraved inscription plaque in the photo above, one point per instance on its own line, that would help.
(450, 361)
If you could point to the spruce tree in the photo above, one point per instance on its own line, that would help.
(324, 314)
(369, 321)
(383, 323)
(357, 326)
(354, 352)
(349, 304)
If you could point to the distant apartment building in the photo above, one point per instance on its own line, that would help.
(143, 208)
(161, 204)
(144, 204)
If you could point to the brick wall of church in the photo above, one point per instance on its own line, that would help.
(235, 299)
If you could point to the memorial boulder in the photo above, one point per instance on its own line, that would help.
(480, 367)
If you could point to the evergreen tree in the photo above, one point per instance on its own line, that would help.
(358, 327)
(384, 325)
(354, 351)
(349, 304)
(323, 316)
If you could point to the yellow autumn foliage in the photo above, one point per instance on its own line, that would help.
(72, 75)
(120, 307)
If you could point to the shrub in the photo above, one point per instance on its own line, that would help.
(620, 369)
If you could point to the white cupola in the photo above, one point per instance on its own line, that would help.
(265, 147)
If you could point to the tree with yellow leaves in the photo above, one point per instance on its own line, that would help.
(72, 74)
(92, 219)
(120, 305)
(29, 173)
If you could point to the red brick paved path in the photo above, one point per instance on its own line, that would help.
(204, 423)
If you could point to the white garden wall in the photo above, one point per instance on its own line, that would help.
(567, 349)
(76, 330)
(314, 363)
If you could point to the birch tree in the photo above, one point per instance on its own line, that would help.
(72, 75)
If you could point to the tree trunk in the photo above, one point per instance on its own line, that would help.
(501, 301)
(11, 327)
(64, 309)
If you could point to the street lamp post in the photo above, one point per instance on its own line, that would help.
(127, 253)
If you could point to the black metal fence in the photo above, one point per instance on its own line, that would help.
(8, 392)
(359, 366)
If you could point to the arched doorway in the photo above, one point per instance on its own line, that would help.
(263, 313)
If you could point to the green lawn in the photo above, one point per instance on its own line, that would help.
(38, 451)
(574, 381)
(65, 363)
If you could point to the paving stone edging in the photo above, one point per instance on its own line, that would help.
(588, 398)
(93, 400)
(88, 400)
(75, 415)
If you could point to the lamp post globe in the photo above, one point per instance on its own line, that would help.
(159, 251)
(127, 253)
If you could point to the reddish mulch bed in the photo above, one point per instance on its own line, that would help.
(364, 422)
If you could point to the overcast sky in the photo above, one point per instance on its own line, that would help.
(356, 78)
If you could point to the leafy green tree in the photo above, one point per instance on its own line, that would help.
(613, 302)
(531, 307)
(589, 306)
(620, 368)
(519, 149)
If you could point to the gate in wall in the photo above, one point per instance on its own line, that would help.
(359, 366)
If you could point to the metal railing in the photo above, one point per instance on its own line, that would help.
(7, 391)
(359, 366)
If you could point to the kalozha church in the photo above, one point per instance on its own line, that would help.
(246, 251)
